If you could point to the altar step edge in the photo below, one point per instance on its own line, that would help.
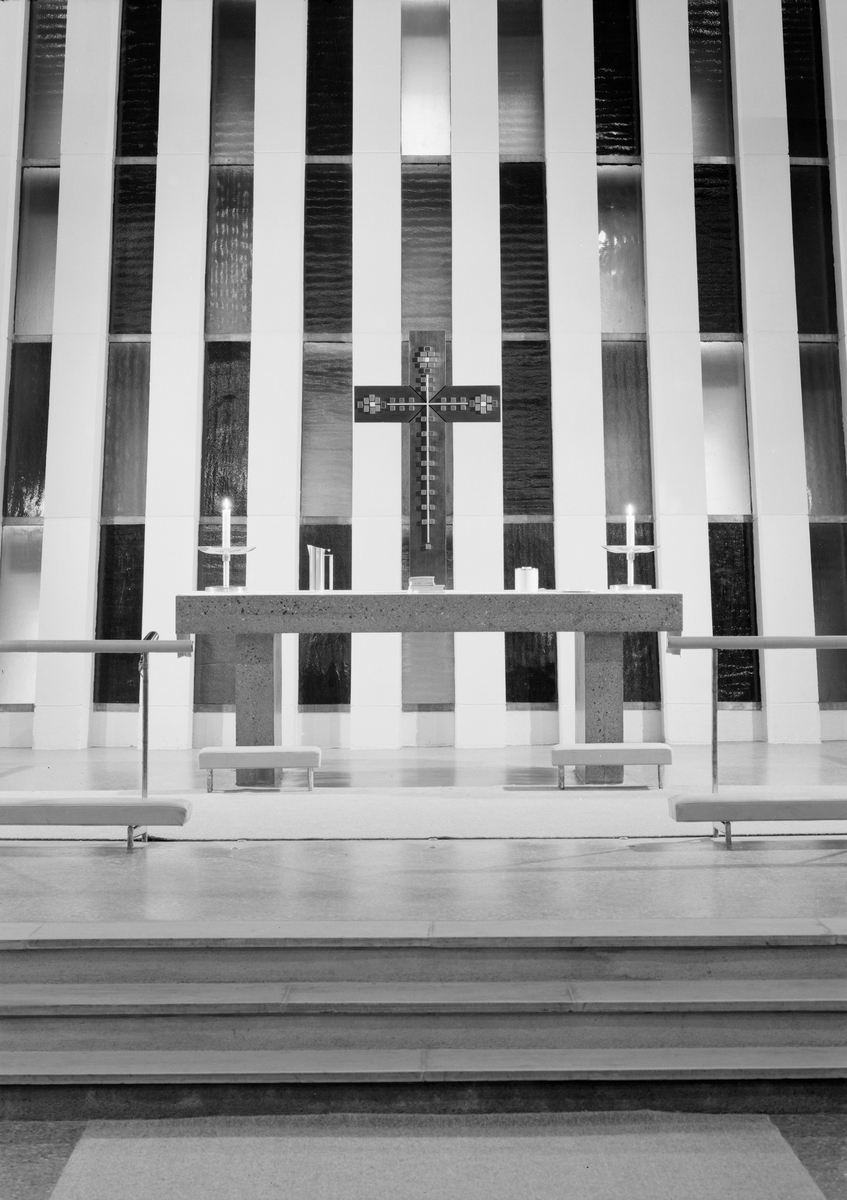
(36, 1068)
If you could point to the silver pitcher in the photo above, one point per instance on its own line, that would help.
(320, 569)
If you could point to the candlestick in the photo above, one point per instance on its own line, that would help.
(630, 546)
(226, 550)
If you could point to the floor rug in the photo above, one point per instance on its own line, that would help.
(585, 1156)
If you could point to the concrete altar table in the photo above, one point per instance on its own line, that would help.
(599, 619)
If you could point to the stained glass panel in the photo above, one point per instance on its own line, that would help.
(329, 78)
(328, 248)
(823, 426)
(620, 245)
(734, 608)
(718, 256)
(138, 93)
(814, 270)
(626, 428)
(26, 441)
(20, 590)
(523, 248)
(711, 78)
(425, 76)
(804, 79)
(125, 442)
(132, 249)
(233, 78)
(427, 247)
(527, 429)
(226, 412)
(725, 429)
(37, 250)
(229, 253)
(829, 592)
(520, 67)
(616, 77)
(45, 79)
(327, 439)
(120, 587)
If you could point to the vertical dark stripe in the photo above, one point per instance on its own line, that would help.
(324, 676)
(125, 442)
(119, 597)
(530, 657)
(711, 78)
(829, 592)
(823, 428)
(523, 247)
(233, 78)
(226, 409)
(718, 253)
(527, 429)
(734, 608)
(626, 428)
(616, 77)
(328, 248)
(427, 247)
(814, 268)
(138, 91)
(26, 439)
(45, 79)
(641, 677)
(329, 77)
(132, 249)
(229, 252)
(804, 79)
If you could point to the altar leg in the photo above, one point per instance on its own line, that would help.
(254, 702)
(599, 698)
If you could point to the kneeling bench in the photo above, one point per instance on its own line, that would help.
(611, 754)
(276, 757)
(93, 808)
(787, 804)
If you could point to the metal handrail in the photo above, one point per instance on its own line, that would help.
(149, 644)
(676, 644)
(96, 646)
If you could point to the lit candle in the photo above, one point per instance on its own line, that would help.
(226, 533)
(630, 525)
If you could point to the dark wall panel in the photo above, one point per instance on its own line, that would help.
(527, 430)
(229, 250)
(125, 441)
(523, 248)
(814, 268)
(626, 428)
(132, 249)
(641, 678)
(329, 77)
(233, 78)
(45, 77)
(829, 591)
(226, 411)
(338, 539)
(328, 248)
(26, 441)
(120, 586)
(427, 247)
(530, 657)
(324, 669)
(804, 79)
(138, 92)
(734, 608)
(823, 429)
(616, 77)
(711, 78)
(718, 256)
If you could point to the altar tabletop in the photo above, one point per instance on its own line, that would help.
(429, 612)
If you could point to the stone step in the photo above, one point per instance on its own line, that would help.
(415, 1065)
(415, 951)
(566, 996)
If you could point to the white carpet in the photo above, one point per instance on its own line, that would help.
(436, 812)
(583, 1156)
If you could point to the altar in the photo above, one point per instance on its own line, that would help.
(599, 619)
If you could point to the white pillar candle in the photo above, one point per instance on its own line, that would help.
(226, 531)
(526, 579)
(630, 526)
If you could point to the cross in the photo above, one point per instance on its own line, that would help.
(434, 405)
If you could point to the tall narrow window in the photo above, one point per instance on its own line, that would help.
(45, 79)
(233, 79)
(328, 250)
(814, 268)
(138, 104)
(425, 77)
(37, 250)
(620, 241)
(711, 78)
(804, 79)
(616, 78)
(520, 68)
(718, 254)
(132, 248)
(329, 78)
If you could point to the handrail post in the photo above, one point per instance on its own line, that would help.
(715, 653)
(143, 669)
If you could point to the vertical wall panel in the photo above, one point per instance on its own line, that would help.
(711, 78)
(823, 425)
(132, 249)
(520, 69)
(125, 441)
(616, 77)
(138, 91)
(626, 427)
(641, 679)
(427, 247)
(814, 270)
(425, 76)
(326, 479)
(328, 250)
(20, 588)
(829, 582)
(734, 608)
(226, 409)
(530, 657)
(45, 77)
(527, 436)
(329, 78)
(26, 441)
(718, 262)
(620, 242)
(725, 429)
(36, 276)
(233, 78)
(804, 79)
(523, 247)
(119, 597)
(229, 269)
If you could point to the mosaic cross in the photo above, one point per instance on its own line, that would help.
(430, 406)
